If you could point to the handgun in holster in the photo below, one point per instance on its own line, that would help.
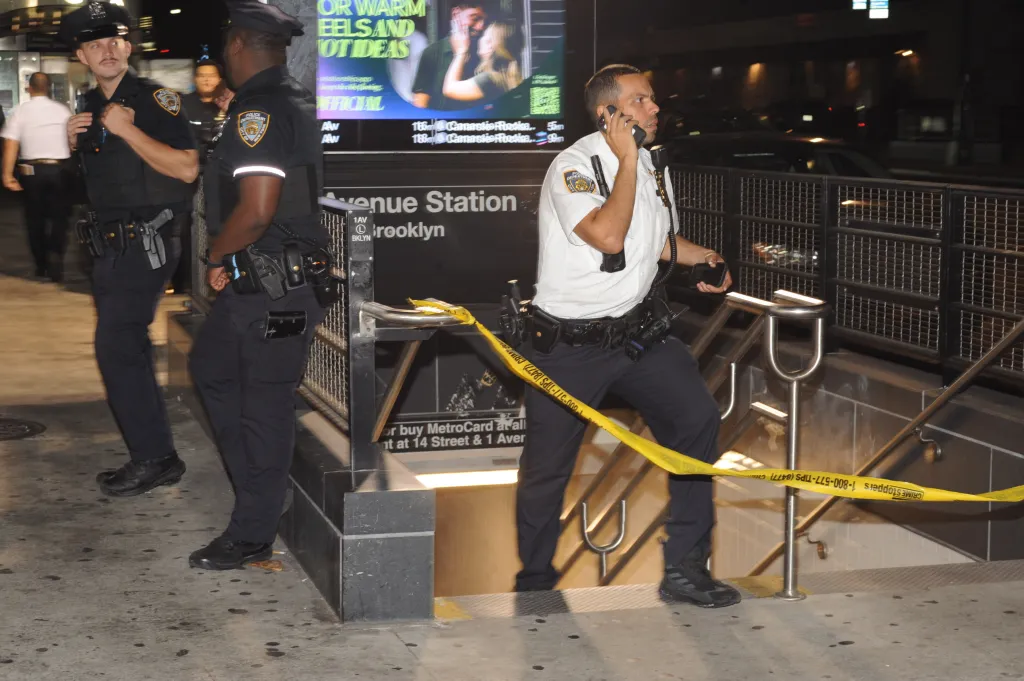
(655, 325)
(313, 269)
(253, 272)
(513, 318)
(152, 241)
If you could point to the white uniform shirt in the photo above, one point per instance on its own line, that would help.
(570, 283)
(40, 128)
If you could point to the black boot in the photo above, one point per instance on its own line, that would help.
(227, 554)
(139, 477)
(691, 582)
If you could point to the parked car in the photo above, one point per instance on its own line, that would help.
(772, 151)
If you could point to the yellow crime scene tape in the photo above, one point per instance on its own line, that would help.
(835, 484)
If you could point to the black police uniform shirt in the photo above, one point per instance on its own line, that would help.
(120, 184)
(271, 130)
(201, 115)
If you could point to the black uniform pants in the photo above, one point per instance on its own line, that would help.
(247, 384)
(127, 293)
(666, 388)
(46, 217)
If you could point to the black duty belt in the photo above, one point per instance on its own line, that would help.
(117, 236)
(610, 332)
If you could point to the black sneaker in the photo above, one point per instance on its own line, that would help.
(691, 582)
(227, 554)
(139, 477)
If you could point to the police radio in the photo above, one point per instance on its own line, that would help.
(612, 262)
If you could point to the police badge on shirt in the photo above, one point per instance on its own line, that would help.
(169, 100)
(578, 183)
(253, 126)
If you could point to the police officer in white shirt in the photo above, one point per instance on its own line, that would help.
(603, 229)
(35, 133)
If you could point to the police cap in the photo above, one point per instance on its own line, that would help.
(95, 21)
(259, 15)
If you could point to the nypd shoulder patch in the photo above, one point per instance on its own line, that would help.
(253, 126)
(578, 183)
(169, 101)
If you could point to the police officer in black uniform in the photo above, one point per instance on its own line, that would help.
(262, 187)
(138, 157)
(206, 112)
(203, 106)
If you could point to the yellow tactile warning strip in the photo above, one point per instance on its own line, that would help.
(762, 586)
(445, 609)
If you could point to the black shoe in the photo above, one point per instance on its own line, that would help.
(139, 477)
(227, 554)
(690, 582)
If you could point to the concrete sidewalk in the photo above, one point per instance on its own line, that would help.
(95, 588)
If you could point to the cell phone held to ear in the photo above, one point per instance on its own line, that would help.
(639, 134)
(703, 273)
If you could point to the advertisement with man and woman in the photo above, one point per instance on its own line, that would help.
(453, 59)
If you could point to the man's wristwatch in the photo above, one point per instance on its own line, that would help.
(210, 263)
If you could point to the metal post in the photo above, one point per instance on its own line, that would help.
(362, 398)
(817, 311)
(1011, 338)
(789, 591)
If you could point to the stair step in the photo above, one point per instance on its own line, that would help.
(643, 596)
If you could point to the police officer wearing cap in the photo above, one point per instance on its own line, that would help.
(138, 157)
(604, 226)
(262, 186)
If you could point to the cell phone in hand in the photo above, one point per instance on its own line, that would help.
(639, 134)
(703, 273)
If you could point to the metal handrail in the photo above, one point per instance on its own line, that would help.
(817, 311)
(409, 318)
(1015, 334)
(804, 308)
(697, 348)
(733, 302)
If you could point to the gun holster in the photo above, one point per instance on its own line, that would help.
(655, 326)
(152, 241)
(252, 272)
(513, 319)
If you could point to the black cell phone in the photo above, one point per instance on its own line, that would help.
(712, 276)
(639, 134)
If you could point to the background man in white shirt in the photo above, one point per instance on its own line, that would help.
(603, 229)
(35, 137)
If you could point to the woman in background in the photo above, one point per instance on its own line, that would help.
(499, 69)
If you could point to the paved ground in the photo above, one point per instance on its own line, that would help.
(92, 588)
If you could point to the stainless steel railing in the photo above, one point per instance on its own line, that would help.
(787, 306)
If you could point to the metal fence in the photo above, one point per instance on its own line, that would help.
(928, 271)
